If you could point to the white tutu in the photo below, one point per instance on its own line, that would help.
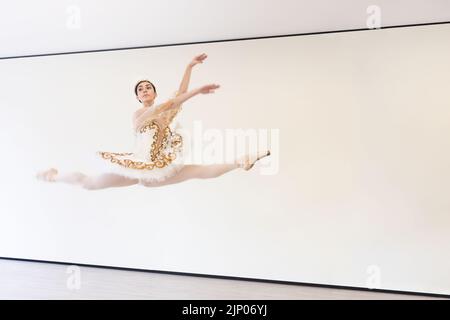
(158, 154)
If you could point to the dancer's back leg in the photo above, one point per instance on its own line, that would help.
(95, 182)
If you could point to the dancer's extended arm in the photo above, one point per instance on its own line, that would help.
(170, 107)
(181, 98)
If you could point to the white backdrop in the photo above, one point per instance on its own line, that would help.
(361, 193)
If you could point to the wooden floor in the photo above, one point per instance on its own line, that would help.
(36, 280)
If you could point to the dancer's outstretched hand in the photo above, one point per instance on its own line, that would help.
(209, 88)
(198, 59)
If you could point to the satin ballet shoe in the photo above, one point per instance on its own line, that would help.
(247, 165)
(48, 175)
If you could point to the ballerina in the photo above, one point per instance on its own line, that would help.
(157, 159)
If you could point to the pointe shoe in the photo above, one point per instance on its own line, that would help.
(249, 164)
(48, 175)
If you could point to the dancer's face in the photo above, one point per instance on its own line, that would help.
(145, 92)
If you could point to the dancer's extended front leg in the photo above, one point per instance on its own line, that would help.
(195, 171)
(102, 181)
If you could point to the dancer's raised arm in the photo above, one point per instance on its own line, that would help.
(187, 74)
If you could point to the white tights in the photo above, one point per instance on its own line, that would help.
(111, 180)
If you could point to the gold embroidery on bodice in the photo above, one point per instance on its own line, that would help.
(161, 138)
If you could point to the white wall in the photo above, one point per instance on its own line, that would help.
(362, 154)
(46, 26)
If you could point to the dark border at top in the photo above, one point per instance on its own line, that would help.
(413, 293)
(227, 40)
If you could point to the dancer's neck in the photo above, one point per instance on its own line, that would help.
(147, 104)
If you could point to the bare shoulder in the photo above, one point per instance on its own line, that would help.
(138, 113)
(136, 116)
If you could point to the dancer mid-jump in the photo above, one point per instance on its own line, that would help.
(157, 158)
